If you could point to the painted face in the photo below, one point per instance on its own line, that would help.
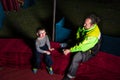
(87, 23)
(41, 33)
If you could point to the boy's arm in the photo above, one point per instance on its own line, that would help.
(48, 42)
(41, 50)
(38, 47)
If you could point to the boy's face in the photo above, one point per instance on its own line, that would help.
(41, 33)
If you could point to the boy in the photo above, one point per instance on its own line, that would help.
(42, 45)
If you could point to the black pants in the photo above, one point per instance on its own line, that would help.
(48, 59)
(77, 59)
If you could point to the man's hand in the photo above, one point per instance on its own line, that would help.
(66, 51)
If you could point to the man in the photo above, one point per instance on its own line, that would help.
(88, 38)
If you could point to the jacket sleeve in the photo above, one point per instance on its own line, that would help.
(85, 45)
(78, 32)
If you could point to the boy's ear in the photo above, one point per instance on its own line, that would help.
(37, 34)
(45, 32)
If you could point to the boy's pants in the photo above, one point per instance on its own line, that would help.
(47, 58)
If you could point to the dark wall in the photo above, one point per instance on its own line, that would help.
(76, 10)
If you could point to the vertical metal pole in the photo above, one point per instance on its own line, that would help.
(54, 12)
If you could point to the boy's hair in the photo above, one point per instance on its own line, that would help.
(39, 28)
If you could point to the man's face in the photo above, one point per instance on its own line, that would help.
(41, 33)
(87, 23)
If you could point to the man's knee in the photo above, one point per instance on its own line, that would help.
(77, 58)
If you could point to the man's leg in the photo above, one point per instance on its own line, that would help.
(73, 67)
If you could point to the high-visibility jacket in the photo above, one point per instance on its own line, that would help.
(87, 38)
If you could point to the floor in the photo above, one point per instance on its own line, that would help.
(26, 74)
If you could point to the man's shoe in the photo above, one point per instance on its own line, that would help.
(35, 70)
(66, 78)
(50, 71)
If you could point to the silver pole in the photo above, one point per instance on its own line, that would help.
(54, 12)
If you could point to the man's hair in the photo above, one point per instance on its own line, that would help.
(94, 19)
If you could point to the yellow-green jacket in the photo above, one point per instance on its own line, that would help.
(89, 38)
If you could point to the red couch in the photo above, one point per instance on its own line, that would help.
(17, 53)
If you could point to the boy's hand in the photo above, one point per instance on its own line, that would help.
(51, 49)
(47, 52)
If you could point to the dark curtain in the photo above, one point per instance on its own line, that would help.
(10, 5)
(28, 3)
(2, 15)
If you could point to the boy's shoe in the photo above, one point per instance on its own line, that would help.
(63, 45)
(50, 70)
(35, 70)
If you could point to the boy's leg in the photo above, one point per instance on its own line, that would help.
(49, 62)
(37, 62)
